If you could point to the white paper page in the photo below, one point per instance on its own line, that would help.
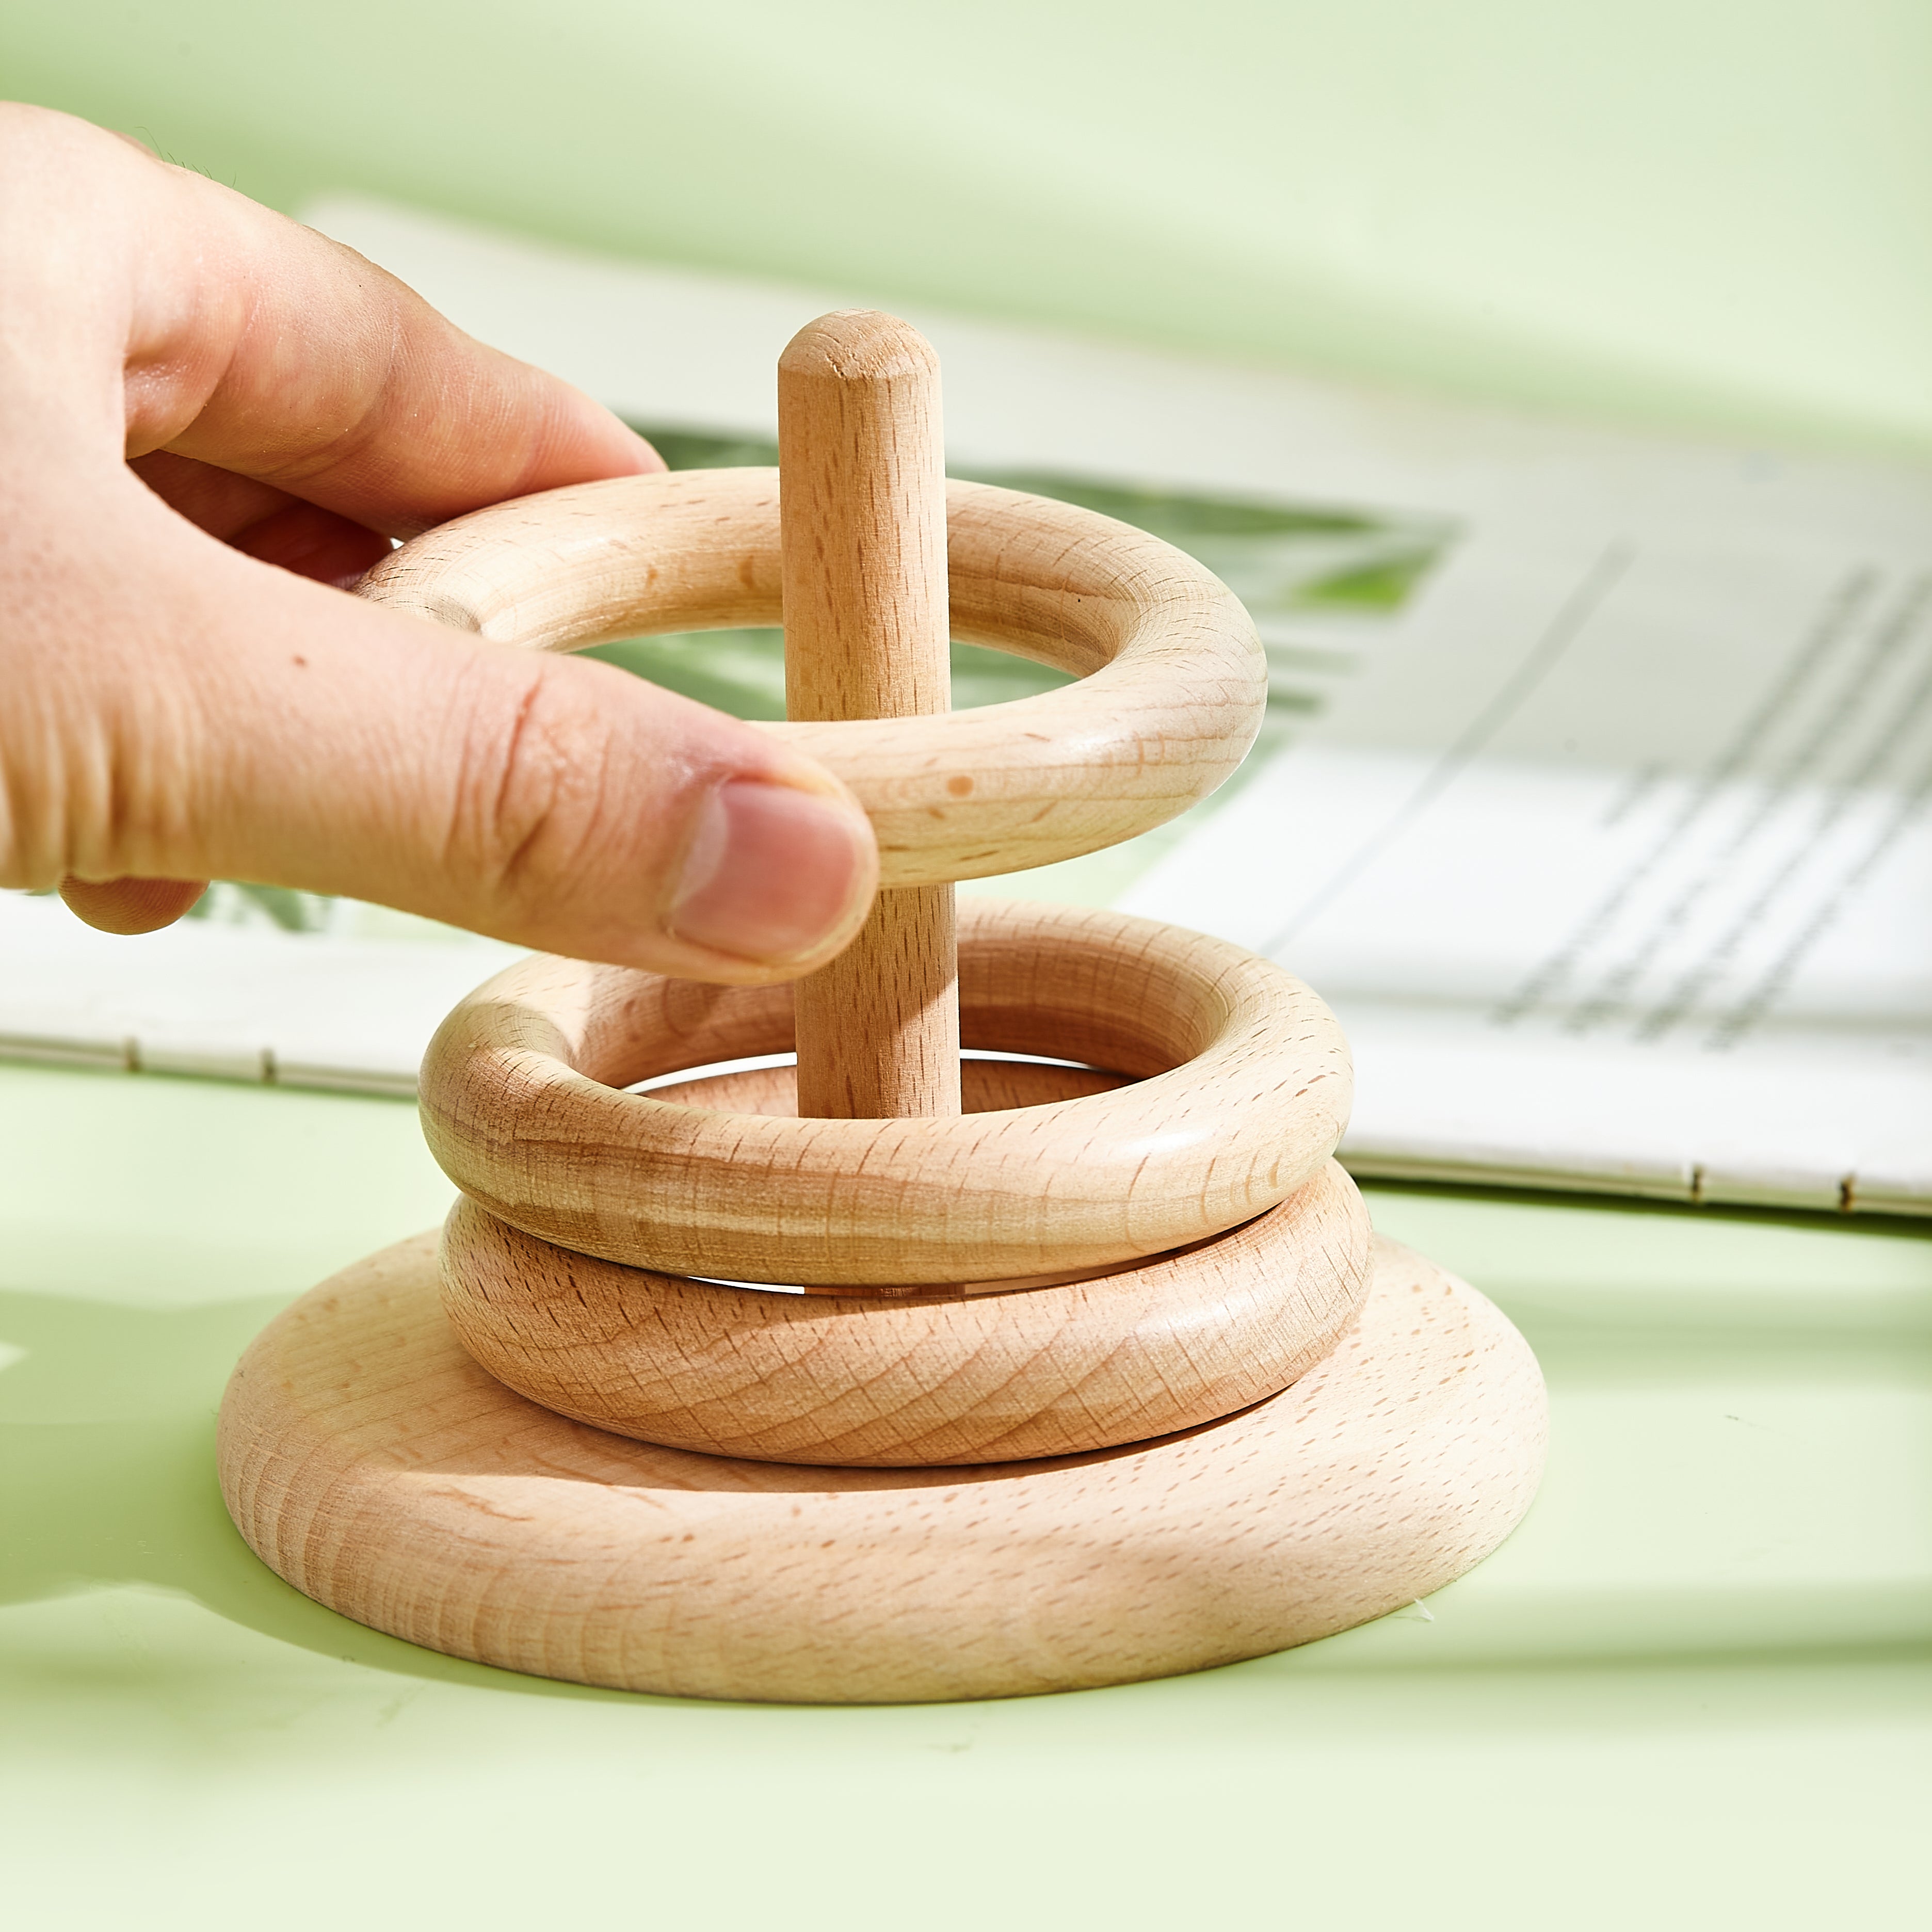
(1617, 869)
(232, 1001)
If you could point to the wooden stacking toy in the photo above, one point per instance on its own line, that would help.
(1091, 1369)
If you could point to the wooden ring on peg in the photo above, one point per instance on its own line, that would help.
(1241, 1092)
(881, 1383)
(369, 1461)
(1174, 681)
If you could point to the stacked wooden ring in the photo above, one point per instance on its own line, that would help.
(1097, 1253)
(1113, 1269)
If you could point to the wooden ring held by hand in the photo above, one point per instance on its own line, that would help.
(1173, 679)
(1241, 1091)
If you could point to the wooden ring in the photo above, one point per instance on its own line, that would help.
(873, 1382)
(1173, 681)
(369, 1461)
(1241, 1091)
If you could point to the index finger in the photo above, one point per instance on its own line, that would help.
(257, 345)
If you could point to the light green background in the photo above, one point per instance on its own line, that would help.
(1706, 211)
(1693, 1691)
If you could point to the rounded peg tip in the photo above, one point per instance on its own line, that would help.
(859, 345)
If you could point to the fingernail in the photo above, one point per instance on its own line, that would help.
(772, 872)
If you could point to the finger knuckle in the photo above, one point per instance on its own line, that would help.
(536, 774)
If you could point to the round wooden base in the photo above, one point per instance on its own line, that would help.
(370, 1462)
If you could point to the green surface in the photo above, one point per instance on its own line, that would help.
(1718, 213)
(1692, 1690)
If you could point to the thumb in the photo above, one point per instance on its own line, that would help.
(130, 906)
(257, 726)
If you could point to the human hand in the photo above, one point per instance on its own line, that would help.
(213, 419)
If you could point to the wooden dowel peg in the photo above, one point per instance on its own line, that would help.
(862, 517)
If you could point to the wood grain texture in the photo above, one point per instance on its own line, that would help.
(986, 1086)
(1241, 1091)
(1099, 1378)
(862, 519)
(1173, 682)
(370, 1462)
(877, 1029)
(872, 1381)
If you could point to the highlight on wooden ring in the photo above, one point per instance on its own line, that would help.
(1240, 1090)
(1173, 680)
(858, 1382)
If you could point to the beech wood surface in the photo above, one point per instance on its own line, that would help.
(877, 1029)
(1239, 1091)
(862, 518)
(986, 1086)
(1173, 680)
(1097, 1381)
(863, 1380)
(369, 1461)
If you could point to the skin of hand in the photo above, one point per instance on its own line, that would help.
(215, 419)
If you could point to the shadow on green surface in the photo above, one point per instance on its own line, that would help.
(107, 1452)
(106, 1446)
